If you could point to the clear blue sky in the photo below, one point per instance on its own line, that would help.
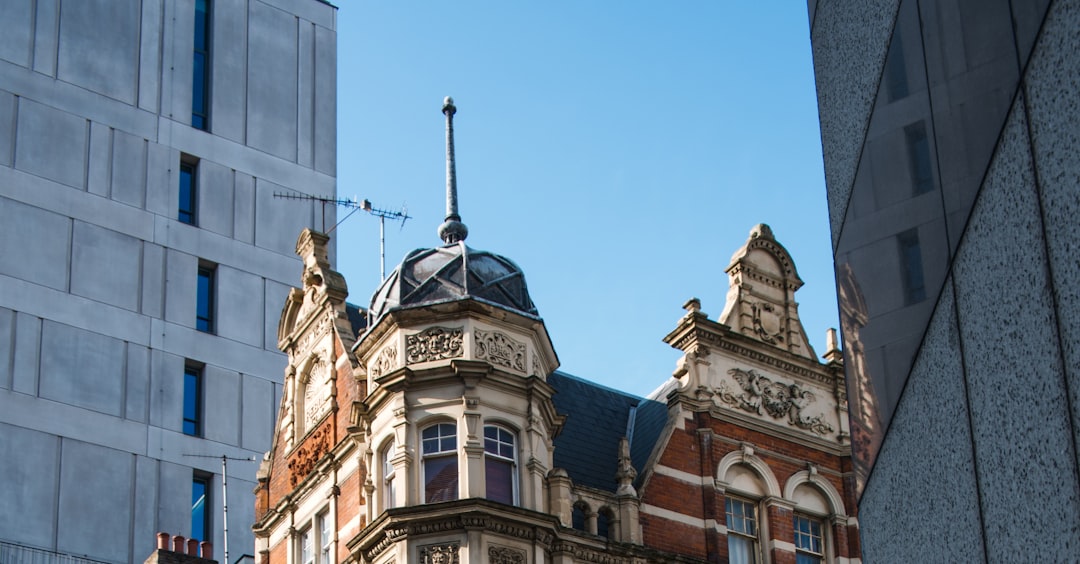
(619, 152)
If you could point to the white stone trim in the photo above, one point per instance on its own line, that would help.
(673, 516)
(775, 544)
(836, 503)
(681, 476)
(746, 456)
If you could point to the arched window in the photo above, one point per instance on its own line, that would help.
(742, 530)
(809, 540)
(440, 462)
(605, 518)
(386, 458)
(500, 464)
(581, 509)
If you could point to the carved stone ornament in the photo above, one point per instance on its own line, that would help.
(779, 400)
(763, 315)
(386, 361)
(498, 348)
(316, 392)
(303, 460)
(505, 555)
(440, 554)
(536, 370)
(433, 343)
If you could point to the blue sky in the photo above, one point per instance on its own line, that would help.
(619, 152)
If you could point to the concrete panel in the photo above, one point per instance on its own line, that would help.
(106, 63)
(26, 364)
(849, 51)
(16, 32)
(162, 180)
(928, 443)
(179, 42)
(211, 349)
(129, 169)
(272, 56)
(23, 227)
(99, 173)
(306, 85)
(221, 405)
(166, 390)
(150, 56)
(321, 13)
(46, 32)
(51, 143)
(86, 471)
(1054, 103)
(181, 276)
(105, 266)
(244, 208)
(174, 499)
(7, 128)
(7, 346)
(146, 489)
(275, 302)
(240, 306)
(137, 387)
(278, 222)
(153, 277)
(82, 368)
(215, 198)
(257, 426)
(1020, 415)
(29, 485)
(230, 48)
(326, 101)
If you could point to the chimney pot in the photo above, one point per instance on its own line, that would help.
(193, 547)
(163, 541)
(178, 544)
(207, 550)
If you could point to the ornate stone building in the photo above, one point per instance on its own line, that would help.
(434, 426)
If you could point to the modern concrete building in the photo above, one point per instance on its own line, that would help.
(949, 131)
(144, 259)
(436, 429)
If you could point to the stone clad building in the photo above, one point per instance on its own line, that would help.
(433, 426)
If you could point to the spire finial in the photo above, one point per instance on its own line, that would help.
(451, 230)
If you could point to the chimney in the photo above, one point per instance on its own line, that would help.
(181, 551)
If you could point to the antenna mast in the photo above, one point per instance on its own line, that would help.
(224, 495)
(382, 215)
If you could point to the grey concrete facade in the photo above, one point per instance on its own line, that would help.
(98, 278)
(970, 383)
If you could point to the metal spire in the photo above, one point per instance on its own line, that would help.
(451, 230)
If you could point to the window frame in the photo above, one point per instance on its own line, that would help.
(201, 119)
(313, 539)
(388, 473)
(325, 537)
(821, 537)
(206, 300)
(193, 374)
(187, 208)
(753, 537)
(199, 479)
(499, 458)
(451, 454)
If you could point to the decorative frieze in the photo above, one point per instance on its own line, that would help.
(777, 399)
(303, 460)
(433, 343)
(505, 555)
(498, 348)
(440, 553)
(385, 362)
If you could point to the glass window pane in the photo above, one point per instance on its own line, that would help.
(204, 313)
(500, 480)
(192, 396)
(198, 509)
(741, 550)
(186, 207)
(440, 479)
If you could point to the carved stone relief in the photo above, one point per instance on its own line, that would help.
(440, 554)
(779, 400)
(498, 348)
(386, 361)
(766, 323)
(303, 460)
(505, 555)
(536, 370)
(433, 343)
(316, 391)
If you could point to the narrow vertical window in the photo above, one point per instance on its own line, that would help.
(305, 547)
(742, 533)
(896, 82)
(388, 476)
(200, 83)
(193, 400)
(200, 515)
(440, 463)
(918, 149)
(809, 545)
(188, 191)
(325, 538)
(911, 267)
(204, 313)
(500, 464)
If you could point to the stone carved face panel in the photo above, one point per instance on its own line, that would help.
(440, 554)
(791, 402)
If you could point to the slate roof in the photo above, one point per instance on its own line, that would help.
(357, 318)
(596, 418)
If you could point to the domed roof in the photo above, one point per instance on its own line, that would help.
(450, 273)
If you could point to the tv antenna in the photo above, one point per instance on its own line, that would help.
(224, 494)
(383, 215)
(325, 201)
